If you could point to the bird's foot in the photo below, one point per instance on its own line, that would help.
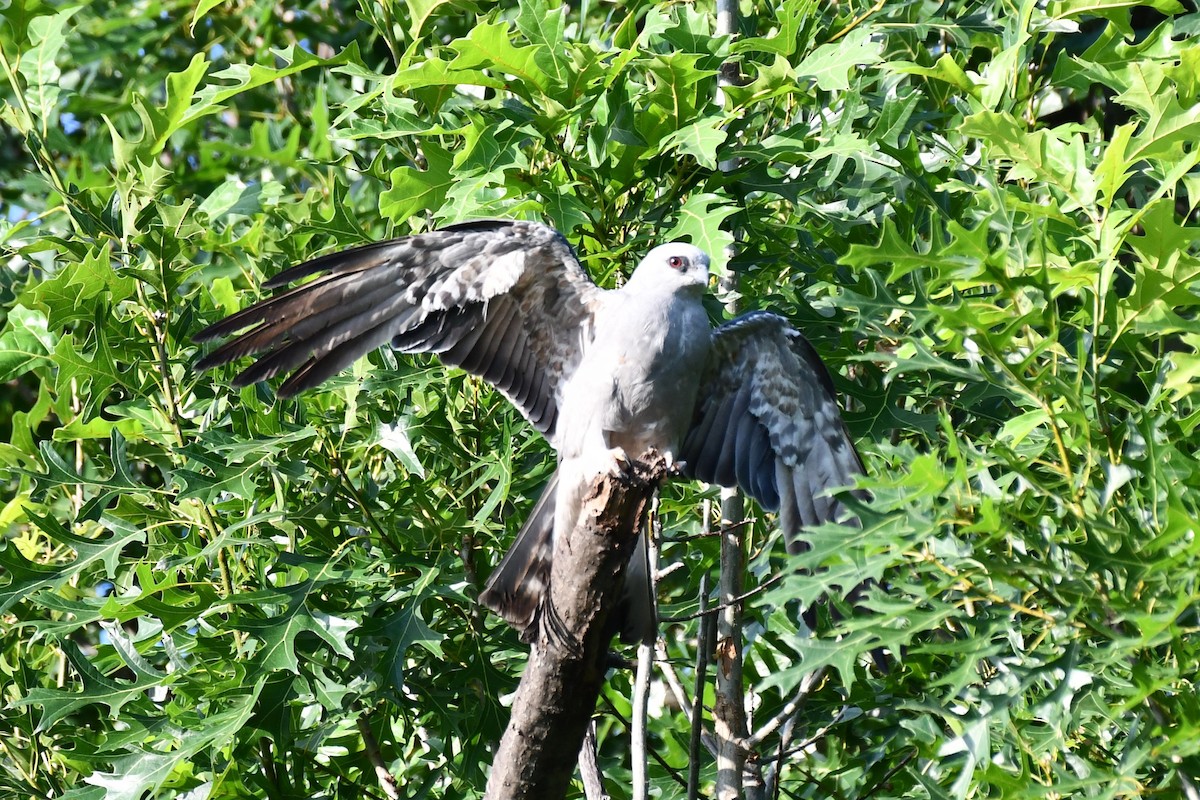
(612, 462)
(619, 461)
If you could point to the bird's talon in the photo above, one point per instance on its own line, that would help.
(674, 468)
(619, 463)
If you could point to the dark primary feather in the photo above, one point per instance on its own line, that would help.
(504, 300)
(767, 420)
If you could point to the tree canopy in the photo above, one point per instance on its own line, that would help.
(982, 214)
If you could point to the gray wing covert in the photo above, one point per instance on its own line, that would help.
(504, 300)
(767, 420)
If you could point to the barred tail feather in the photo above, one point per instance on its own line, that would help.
(516, 587)
(634, 617)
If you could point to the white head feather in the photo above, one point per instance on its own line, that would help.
(674, 265)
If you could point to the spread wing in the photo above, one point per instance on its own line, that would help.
(767, 420)
(505, 300)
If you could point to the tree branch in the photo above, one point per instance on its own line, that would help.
(645, 666)
(565, 673)
(387, 781)
(589, 766)
(790, 709)
(729, 709)
(705, 643)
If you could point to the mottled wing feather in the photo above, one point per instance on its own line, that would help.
(767, 420)
(505, 300)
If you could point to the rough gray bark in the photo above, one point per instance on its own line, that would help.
(562, 680)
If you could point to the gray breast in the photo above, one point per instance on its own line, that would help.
(664, 349)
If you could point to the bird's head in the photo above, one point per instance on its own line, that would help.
(677, 264)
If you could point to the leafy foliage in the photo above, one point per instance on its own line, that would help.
(983, 215)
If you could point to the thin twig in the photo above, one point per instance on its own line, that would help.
(675, 773)
(645, 663)
(708, 533)
(888, 775)
(268, 765)
(672, 677)
(704, 647)
(736, 601)
(589, 766)
(347, 489)
(641, 703)
(790, 709)
(387, 781)
(662, 661)
(773, 773)
(729, 709)
(671, 568)
(820, 734)
(771, 777)
(854, 23)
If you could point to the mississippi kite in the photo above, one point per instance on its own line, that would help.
(601, 373)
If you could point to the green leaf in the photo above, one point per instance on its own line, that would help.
(93, 371)
(1170, 126)
(201, 11)
(278, 634)
(97, 689)
(241, 78)
(945, 69)
(545, 26)
(25, 342)
(420, 11)
(39, 64)
(395, 439)
(784, 37)
(830, 64)
(699, 139)
(26, 577)
(69, 295)
(490, 45)
(413, 190)
(436, 72)
(147, 770)
(17, 18)
(1115, 11)
(1038, 155)
(404, 629)
(700, 221)
(233, 199)
(160, 122)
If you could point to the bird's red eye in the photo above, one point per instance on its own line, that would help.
(677, 262)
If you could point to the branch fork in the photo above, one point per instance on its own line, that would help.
(561, 684)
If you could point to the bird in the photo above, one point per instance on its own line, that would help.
(603, 374)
